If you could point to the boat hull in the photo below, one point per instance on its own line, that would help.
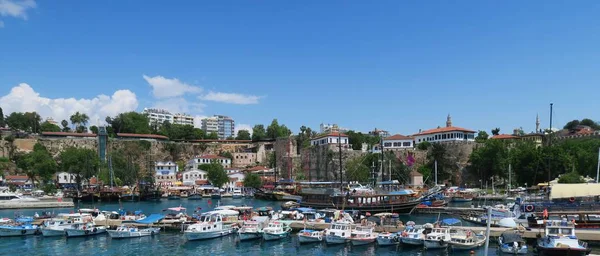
(387, 241)
(273, 236)
(509, 249)
(366, 241)
(336, 239)
(557, 251)
(4, 232)
(87, 232)
(192, 236)
(412, 241)
(195, 197)
(309, 239)
(127, 234)
(245, 236)
(215, 196)
(462, 200)
(435, 244)
(401, 208)
(53, 232)
(236, 196)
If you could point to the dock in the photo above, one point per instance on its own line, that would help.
(43, 203)
(448, 210)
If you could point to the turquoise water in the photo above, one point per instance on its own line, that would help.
(173, 243)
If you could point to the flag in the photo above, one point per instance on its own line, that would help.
(410, 160)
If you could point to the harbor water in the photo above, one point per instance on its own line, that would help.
(173, 242)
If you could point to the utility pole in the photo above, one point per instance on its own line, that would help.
(598, 168)
(550, 142)
(390, 170)
(340, 149)
(435, 167)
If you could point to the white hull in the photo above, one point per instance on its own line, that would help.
(53, 232)
(335, 239)
(309, 239)
(244, 236)
(237, 196)
(412, 241)
(87, 232)
(437, 244)
(513, 250)
(362, 241)
(16, 232)
(270, 237)
(129, 234)
(385, 241)
(193, 235)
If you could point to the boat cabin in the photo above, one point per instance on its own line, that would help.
(560, 228)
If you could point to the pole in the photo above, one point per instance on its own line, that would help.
(598, 168)
(340, 149)
(487, 230)
(509, 172)
(550, 142)
(382, 163)
(435, 166)
(390, 170)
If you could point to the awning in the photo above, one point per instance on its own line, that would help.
(151, 219)
(574, 190)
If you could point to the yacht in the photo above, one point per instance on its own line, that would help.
(125, 231)
(439, 238)
(275, 231)
(559, 239)
(210, 226)
(252, 229)
(362, 235)
(7, 195)
(84, 229)
(21, 226)
(339, 232)
(415, 234)
(461, 239)
(511, 242)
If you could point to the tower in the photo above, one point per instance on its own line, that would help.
(537, 123)
(449, 121)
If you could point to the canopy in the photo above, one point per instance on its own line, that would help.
(304, 209)
(151, 219)
(574, 190)
(450, 221)
(511, 237)
(225, 212)
(177, 209)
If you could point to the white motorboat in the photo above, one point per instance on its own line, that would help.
(57, 226)
(275, 231)
(252, 229)
(387, 238)
(415, 234)
(310, 236)
(439, 238)
(237, 193)
(339, 232)
(84, 229)
(461, 239)
(559, 239)
(125, 231)
(511, 242)
(362, 235)
(21, 226)
(210, 226)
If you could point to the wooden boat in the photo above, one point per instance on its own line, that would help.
(210, 226)
(85, 229)
(252, 229)
(339, 233)
(310, 236)
(400, 202)
(363, 235)
(276, 230)
(387, 238)
(195, 196)
(439, 238)
(415, 234)
(462, 197)
(461, 239)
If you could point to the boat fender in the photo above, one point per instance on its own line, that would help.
(23, 231)
(320, 238)
(441, 241)
(86, 231)
(152, 233)
(395, 239)
(572, 199)
(94, 230)
(529, 208)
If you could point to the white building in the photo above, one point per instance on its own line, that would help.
(207, 159)
(397, 142)
(165, 172)
(158, 116)
(210, 124)
(445, 134)
(65, 179)
(183, 119)
(191, 177)
(330, 138)
(329, 128)
(236, 178)
(224, 126)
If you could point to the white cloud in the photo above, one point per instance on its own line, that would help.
(169, 87)
(16, 8)
(179, 105)
(23, 98)
(246, 127)
(233, 98)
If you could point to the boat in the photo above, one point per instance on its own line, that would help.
(511, 242)
(276, 230)
(175, 215)
(339, 232)
(84, 229)
(388, 238)
(56, 227)
(130, 197)
(310, 236)
(7, 195)
(362, 235)
(439, 238)
(461, 196)
(252, 229)
(174, 196)
(21, 226)
(237, 193)
(195, 196)
(289, 205)
(127, 231)
(210, 226)
(559, 239)
(461, 239)
(183, 194)
(216, 195)
(415, 234)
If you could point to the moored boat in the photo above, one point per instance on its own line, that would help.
(84, 229)
(439, 238)
(461, 239)
(21, 226)
(210, 226)
(559, 239)
(276, 230)
(252, 229)
(310, 236)
(237, 194)
(362, 235)
(195, 196)
(339, 232)
(415, 234)
(387, 238)
(56, 227)
(511, 242)
(125, 231)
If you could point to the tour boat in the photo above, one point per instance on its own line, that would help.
(559, 239)
(415, 234)
(401, 202)
(339, 232)
(252, 229)
(84, 229)
(387, 238)
(462, 197)
(125, 231)
(310, 236)
(237, 193)
(439, 238)
(465, 239)
(210, 226)
(511, 242)
(362, 235)
(19, 227)
(275, 231)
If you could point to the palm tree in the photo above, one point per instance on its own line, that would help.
(79, 120)
(75, 119)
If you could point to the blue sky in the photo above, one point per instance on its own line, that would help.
(397, 65)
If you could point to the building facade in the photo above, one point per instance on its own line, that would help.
(65, 179)
(224, 126)
(330, 138)
(445, 134)
(207, 159)
(329, 128)
(159, 116)
(191, 177)
(183, 119)
(243, 159)
(165, 172)
(398, 142)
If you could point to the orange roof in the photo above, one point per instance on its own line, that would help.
(201, 182)
(415, 173)
(65, 134)
(333, 134)
(17, 177)
(398, 137)
(444, 129)
(146, 136)
(504, 136)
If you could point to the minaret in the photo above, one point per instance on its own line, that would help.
(448, 121)
(537, 123)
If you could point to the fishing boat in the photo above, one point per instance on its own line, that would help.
(195, 196)
(85, 229)
(461, 239)
(174, 195)
(175, 215)
(210, 226)
(439, 238)
(21, 226)
(511, 242)
(237, 193)
(415, 234)
(559, 239)
(388, 238)
(310, 236)
(461, 196)
(127, 231)
(339, 232)
(275, 231)
(362, 235)
(56, 227)
(216, 195)
(252, 229)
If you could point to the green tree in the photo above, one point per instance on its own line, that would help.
(571, 177)
(259, 132)
(38, 163)
(2, 122)
(243, 135)
(252, 180)
(49, 127)
(226, 154)
(425, 145)
(216, 174)
(79, 121)
(482, 136)
(496, 131)
(356, 170)
(571, 125)
(590, 123)
(65, 125)
(304, 137)
(212, 136)
(130, 122)
(197, 134)
(274, 130)
(28, 121)
(82, 162)
(94, 129)
(356, 139)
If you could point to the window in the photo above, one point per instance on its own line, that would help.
(443, 136)
(406, 144)
(387, 144)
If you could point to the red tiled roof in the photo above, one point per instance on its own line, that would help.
(65, 134)
(444, 129)
(146, 136)
(17, 177)
(211, 157)
(504, 136)
(201, 182)
(233, 179)
(398, 137)
(333, 134)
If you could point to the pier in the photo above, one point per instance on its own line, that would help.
(448, 210)
(41, 204)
